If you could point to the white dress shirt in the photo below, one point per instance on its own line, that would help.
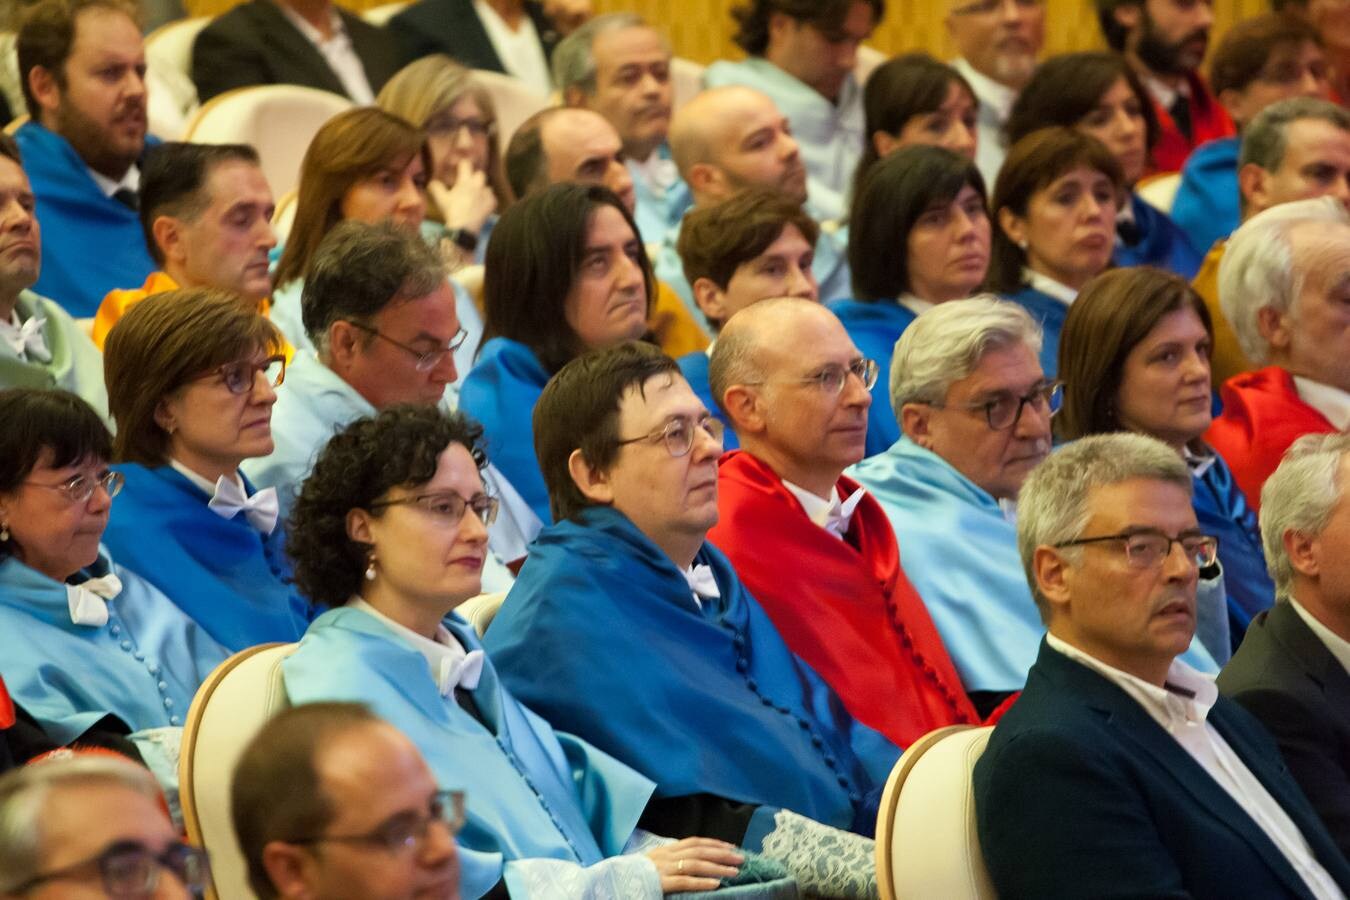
(995, 103)
(1047, 285)
(337, 51)
(520, 49)
(1336, 645)
(131, 181)
(1181, 708)
(833, 514)
(916, 305)
(1330, 401)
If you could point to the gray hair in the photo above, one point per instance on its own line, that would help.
(1266, 137)
(1052, 506)
(23, 802)
(946, 344)
(1300, 496)
(573, 59)
(1258, 267)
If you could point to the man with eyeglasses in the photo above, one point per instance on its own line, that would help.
(814, 548)
(997, 42)
(974, 408)
(629, 630)
(381, 315)
(1120, 771)
(95, 826)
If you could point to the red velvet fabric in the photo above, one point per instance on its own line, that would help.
(845, 607)
(1209, 120)
(1262, 416)
(7, 714)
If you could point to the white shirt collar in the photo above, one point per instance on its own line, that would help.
(1187, 695)
(916, 305)
(657, 171)
(993, 94)
(31, 347)
(1163, 92)
(1330, 401)
(1338, 646)
(312, 34)
(817, 509)
(1049, 286)
(443, 654)
(1198, 463)
(131, 181)
(208, 486)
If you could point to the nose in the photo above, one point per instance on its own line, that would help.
(1034, 422)
(1197, 368)
(846, 55)
(16, 217)
(169, 887)
(1204, 15)
(99, 501)
(1310, 85)
(472, 529)
(801, 283)
(1010, 11)
(628, 275)
(1177, 566)
(267, 236)
(705, 445)
(463, 140)
(856, 392)
(438, 848)
(787, 146)
(445, 371)
(962, 139)
(618, 180)
(964, 225)
(411, 199)
(263, 392)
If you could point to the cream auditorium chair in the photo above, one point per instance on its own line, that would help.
(514, 102)
(380, 15)
(168, 60)
(927, 845)
(1160, 191)
(283, 217)
(686, 80)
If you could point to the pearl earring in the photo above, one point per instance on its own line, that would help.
(370, 570)
(4, 531)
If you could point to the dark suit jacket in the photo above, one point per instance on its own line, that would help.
(1081, 794)
(1286, 677)
(452, 27)
(256, 44)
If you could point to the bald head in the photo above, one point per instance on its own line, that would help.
(568, 144)
(729, 138)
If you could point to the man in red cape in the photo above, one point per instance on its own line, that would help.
(816, 551)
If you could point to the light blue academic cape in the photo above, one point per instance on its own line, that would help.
(830, 134)
(76, 365)
(959, 551)
(1207, 204)
(142, 666)
(874, 328)
(658, 209)
(531, 792)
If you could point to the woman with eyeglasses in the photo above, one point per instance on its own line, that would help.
(389, 534)
(88, 648)
(190, 378)
(566, 273)
(1134, 356)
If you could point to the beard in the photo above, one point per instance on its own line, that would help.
(1014, 69)
(92, 143)
(1165, 58)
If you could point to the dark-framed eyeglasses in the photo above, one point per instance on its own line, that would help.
(447, 126)
(403, 831)
(426, 359)
(678, 433)
(1147, 548)
(81, 487)
(448, 506)
(240, 375)
(1005, 411)
(130, 871)
(832, 378)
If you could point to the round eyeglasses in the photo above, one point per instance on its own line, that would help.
(1146, 549)
(426, 359)
(406, 830)
(678, 433)
(240, 375)
(832, 378)
(130, 871)
(80, 488)
(448, 506)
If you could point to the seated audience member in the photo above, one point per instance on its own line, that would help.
(390, 533)
(996, 48)
(560, 145)
(726, 140)
(1283, 285)
(206, 211)
(1134, 356)
(801, 55)
(1120, 771)
(1259, 61)
(364, 165)
(796, 388)
(441, 97)
(92, 825)
(1055, 209)
(1164, 41)
(974, 408)
(40, 344)
(915, 100)
(1290, 671)
(88, 646)
(1293, 150)
(565, 273)
(379, 309)
(1098, 95)
(1332, 21)
(752, 246)
(696, 688)
(515, 37)
(313, 43)
(190, 383)
(82, 66)
(619, 66)
(921, 237)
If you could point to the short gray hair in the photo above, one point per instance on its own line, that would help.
(1266, 137)
(1052, 506)
(573, 58)
(946, 344)
(1258, 267)
(23, 802)
(1300, 496)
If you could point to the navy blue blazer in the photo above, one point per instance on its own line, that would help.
(1080, 793)
(452, 27)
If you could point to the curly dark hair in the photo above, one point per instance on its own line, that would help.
(360, 465)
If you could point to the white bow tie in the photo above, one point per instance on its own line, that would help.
(461, 671)
(89, 599)
(230, 499)
(702, 582)
(27, 340)
(842, 513)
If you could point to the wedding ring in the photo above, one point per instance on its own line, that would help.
(679, 866)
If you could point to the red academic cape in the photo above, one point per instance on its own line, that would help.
(1209, 120)
(844, 607)
(1262, 416)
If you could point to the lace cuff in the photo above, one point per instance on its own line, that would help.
(827, 862)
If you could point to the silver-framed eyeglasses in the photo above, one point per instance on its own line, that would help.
(81, 487)
(1005, 410)
(130, 871)
(406, 830)
(239, 376)
(678, 433)
(832, 378)
(448, 506)
(447, 126)
(426, 359)
(1148, 547)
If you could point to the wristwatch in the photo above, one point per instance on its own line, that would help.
(463, 238)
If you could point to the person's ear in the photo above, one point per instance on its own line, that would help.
(885, 144)
(165, 417)
(1301, 548)
(574, 97)
(707, 180)
(1254, 186)
(344, 345)
(709, 298)
(358, 526)
(45, 89)
(292, 871)
(1129, 16)
(744, 406)
(593, 483)
(1014, 226)
(916, 423)
(168, 236)
(1273, 325)
(1053, 577)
